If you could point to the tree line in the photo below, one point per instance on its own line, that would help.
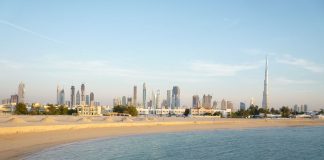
(254, 111)
(126, 109)
(21, 109)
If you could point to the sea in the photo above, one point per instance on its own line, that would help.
(290, 143)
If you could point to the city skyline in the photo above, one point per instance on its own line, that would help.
(204, 48)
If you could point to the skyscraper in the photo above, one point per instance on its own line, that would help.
(135, 96)
(169, 99)
(265, 103)
(58, 90)
(207, 101)
(87, 101)
(83, 93)
(305, 108)
(230, 105)
(153, 98)
(14, 99)
(78, 98)
(144, 96)
(157, 100)
(117, 101)
(21, 93)
(91, 98)
(175, 97)
(215, 105)
(72, 96)
(223, 105)
(242, 106)
(195, 101)
(62, 97)
(252, 101)
(129, 101)
(124, 101)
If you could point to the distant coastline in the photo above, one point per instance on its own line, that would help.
(23, 135)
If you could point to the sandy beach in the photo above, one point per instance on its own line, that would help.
(21, 136)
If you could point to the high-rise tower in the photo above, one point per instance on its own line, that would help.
(72, 96)
(78, 102)
(135, 96)
(21, 93)
(144, 95)
(175, 97)
(83, 93)
(58, 90)
(265, 102)
(169, 99)
(92, 102)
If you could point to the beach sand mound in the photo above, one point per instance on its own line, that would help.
(84, 120)
(126, 119)
(16, 120)
(148, 119)
(108, 119)
(151, 119)
(32, 119)
(48, 120)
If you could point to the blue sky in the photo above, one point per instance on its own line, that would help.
(204, 47)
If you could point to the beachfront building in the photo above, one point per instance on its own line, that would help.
(85, 110)
(204, 111)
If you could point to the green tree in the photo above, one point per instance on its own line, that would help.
(62, 110)
(253, 110)
(35, 110)
(132, 111)
(119, 109)
(274, 111)
(186, 112)
(217, 114)
(285, 112)
(71, 111)
(321, 111)
(51, 110)
(21, 109)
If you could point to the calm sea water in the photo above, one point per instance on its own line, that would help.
(265, 143)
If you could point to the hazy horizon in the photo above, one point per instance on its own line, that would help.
(204, 47)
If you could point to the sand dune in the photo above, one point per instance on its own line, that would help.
(48, 120)
(16, 120)
(126, 119)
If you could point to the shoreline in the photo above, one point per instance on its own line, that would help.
(17, 145)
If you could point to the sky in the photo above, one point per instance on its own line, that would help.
(204, 47)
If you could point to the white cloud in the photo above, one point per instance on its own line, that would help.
(20, 28)
(209, 69)
(302, 63)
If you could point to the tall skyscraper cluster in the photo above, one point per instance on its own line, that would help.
(301, 108)
(76, 98)
(155, 101)
(16, 98)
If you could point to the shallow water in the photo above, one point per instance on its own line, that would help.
(262, 143)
